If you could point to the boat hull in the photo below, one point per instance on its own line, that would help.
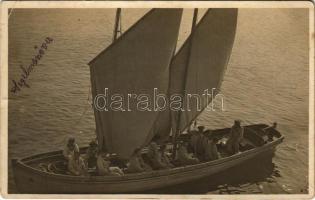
(31, 180)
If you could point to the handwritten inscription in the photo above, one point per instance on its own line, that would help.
(26, 71)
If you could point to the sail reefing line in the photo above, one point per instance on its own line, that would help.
(136, 62)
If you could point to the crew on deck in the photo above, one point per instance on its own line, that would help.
(202, 142)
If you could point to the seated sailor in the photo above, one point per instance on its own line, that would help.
(183, 157)
(164, 157)
(104, 168)
(76, 165)
(91, 154)
(70, 148)
(236, 137)
(154, 156)
(136, 163)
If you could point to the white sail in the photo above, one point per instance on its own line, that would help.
(136, 63)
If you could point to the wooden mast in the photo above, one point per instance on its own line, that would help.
(117, 27)
(194, 22)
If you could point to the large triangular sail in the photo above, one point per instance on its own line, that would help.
(200, 64)
(136, 63)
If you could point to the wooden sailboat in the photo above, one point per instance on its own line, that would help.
(138, 61)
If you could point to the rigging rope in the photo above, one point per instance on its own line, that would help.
(89, 101)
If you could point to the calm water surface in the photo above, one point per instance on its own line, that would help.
(266, 81)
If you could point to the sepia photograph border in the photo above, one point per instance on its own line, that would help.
(5, 6)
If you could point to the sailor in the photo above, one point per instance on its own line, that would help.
(203, 144)
(136, 163)
(183, 157)
(155, 157)
(164, 157)
(104, 168)
(193, 134)
(70, 148)
(214, 149)
(236, 136)
(195, 139)
(200, 151)
(76, 165)
(211, 151)
(91, 154)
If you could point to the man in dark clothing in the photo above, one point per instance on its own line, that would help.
(91, 154)
(236, 136)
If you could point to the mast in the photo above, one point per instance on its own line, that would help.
(193, 26)
(194, 22)
(117, 27)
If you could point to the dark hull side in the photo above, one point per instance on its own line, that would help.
(33, 181)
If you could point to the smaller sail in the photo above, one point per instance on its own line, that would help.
(200, 64)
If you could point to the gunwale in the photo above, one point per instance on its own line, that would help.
(23, 163)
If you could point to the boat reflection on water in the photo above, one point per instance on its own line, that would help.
(244, 178)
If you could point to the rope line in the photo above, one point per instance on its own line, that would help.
(86, 107)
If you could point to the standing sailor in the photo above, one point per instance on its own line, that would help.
(201, 138)
(195, 140)
(91, 154)
(236, 136)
